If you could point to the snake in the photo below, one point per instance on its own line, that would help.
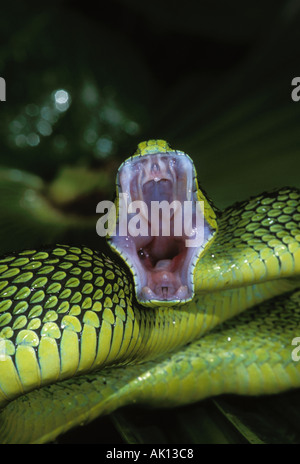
(151, 321)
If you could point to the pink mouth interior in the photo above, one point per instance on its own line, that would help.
(162, 265)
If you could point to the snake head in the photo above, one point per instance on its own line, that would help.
(163, 223)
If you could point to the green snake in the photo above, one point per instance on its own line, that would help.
(82, 333)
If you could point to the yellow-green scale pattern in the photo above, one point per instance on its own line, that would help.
(66, 311)
(258, 240)
(250, 354)
(63, 311)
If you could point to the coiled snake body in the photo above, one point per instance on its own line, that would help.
(76, 342)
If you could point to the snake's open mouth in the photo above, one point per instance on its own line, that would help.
(161, 229)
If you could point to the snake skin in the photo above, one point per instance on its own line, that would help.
(74, 339)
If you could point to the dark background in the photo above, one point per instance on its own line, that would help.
(211, 77)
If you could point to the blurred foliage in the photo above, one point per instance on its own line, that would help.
(86, 81)
(67, 101)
